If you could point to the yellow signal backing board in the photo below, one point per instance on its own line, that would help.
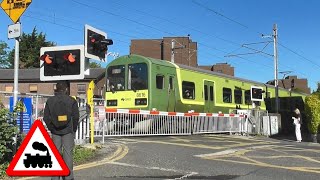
(15, 8)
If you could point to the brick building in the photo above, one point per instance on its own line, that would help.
(185, 52)
(289, 81)
(224, 68)
(29, 82)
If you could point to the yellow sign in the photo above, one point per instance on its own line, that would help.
(15, 8)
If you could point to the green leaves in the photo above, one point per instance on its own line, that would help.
(312, 108)
(4, 55)
(29, 49)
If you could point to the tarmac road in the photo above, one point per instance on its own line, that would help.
(203, 157)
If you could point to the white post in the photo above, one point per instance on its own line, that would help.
(37, 101)
(16, 72)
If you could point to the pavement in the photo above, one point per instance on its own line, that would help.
(110, 155)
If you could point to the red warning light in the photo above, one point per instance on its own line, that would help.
(93, 40)
(69, 57)
(46, 58)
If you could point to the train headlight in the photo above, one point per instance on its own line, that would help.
(112, 102)
(141, 101)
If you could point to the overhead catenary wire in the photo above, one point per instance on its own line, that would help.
(171, 33)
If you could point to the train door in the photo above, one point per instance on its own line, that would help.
(171, 93)
(208, 96)
(160, 93)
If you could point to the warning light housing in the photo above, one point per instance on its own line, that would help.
(96, 43)
(256, 93)
(62, 63)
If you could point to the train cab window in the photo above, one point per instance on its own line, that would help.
(188, 90)
(137, 76)
(227, 95)
(160, 81)
(247, 97)
(238, 96)
(115, 78)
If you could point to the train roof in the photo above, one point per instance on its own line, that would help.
(182, 66)
(228, 76)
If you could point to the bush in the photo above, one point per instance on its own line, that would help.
(8, 136)
(312, 109)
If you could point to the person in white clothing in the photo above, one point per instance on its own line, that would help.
(297, 122)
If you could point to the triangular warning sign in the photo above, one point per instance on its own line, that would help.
(37, 155)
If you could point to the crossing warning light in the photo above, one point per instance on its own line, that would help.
(256, 93)
(96, 43)
(62, 63)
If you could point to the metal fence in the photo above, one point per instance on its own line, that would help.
(38, 105)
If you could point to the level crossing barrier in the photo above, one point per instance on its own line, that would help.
(126, 122)
(217, 123)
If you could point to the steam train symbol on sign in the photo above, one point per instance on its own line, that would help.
(38, 160)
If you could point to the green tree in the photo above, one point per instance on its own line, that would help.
(94, 65)
(30, 45)
(4, 55)
(318, 88)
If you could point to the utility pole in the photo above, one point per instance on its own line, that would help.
(275, 52)
(173, 43)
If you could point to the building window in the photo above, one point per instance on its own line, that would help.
(160, 81)
(188, 90)
(227, 95)
(247, 97)
(238, 96)
(9, 88)
(33, 88)
(81, 88)
(54, 88)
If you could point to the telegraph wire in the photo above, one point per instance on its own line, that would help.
(219, 14)
(237, 22)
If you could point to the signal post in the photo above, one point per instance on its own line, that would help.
(72, 62)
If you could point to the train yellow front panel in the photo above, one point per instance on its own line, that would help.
(127, 99)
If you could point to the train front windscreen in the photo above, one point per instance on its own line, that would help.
(133, 93)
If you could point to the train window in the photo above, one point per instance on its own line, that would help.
(188, 90)
(211, 93)
(160, 81)
(268, 95)
(247, 97)
(227, 95)
(238, 96)
(116, 78)
(205, 92)
(171, 82)
(138, 76)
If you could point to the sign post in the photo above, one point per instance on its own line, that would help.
(14, 9)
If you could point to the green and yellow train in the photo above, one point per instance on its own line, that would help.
(137, 82)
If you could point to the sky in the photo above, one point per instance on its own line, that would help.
(225, 30)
